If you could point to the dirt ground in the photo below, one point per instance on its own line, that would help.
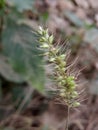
(76, 21)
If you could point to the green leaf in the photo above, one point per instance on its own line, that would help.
(21, 5)
(24, 59)
(8, 72)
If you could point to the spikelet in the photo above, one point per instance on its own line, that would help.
(67, 83)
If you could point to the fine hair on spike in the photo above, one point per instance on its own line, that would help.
(61, 73)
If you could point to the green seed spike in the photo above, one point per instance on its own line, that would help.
(51, 38)
(66, 83)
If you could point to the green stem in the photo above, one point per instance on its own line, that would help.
(67, 122)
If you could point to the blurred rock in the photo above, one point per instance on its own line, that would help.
(64, 4)
(93, 85)
(81, 13)
(55, 22)
(74, 19)
(83, 3)
(93, 4)
(51, 3)
(87, 60)
(96, 19)
(91, 37)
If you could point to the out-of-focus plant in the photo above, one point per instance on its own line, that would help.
(21, 61)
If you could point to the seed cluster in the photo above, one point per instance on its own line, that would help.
(66, 83)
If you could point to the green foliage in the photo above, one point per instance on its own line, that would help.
(2, 3)
(21, 61)
(20, 48)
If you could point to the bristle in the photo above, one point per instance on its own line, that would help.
(61, 72)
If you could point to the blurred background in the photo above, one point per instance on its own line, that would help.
(74, 22)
